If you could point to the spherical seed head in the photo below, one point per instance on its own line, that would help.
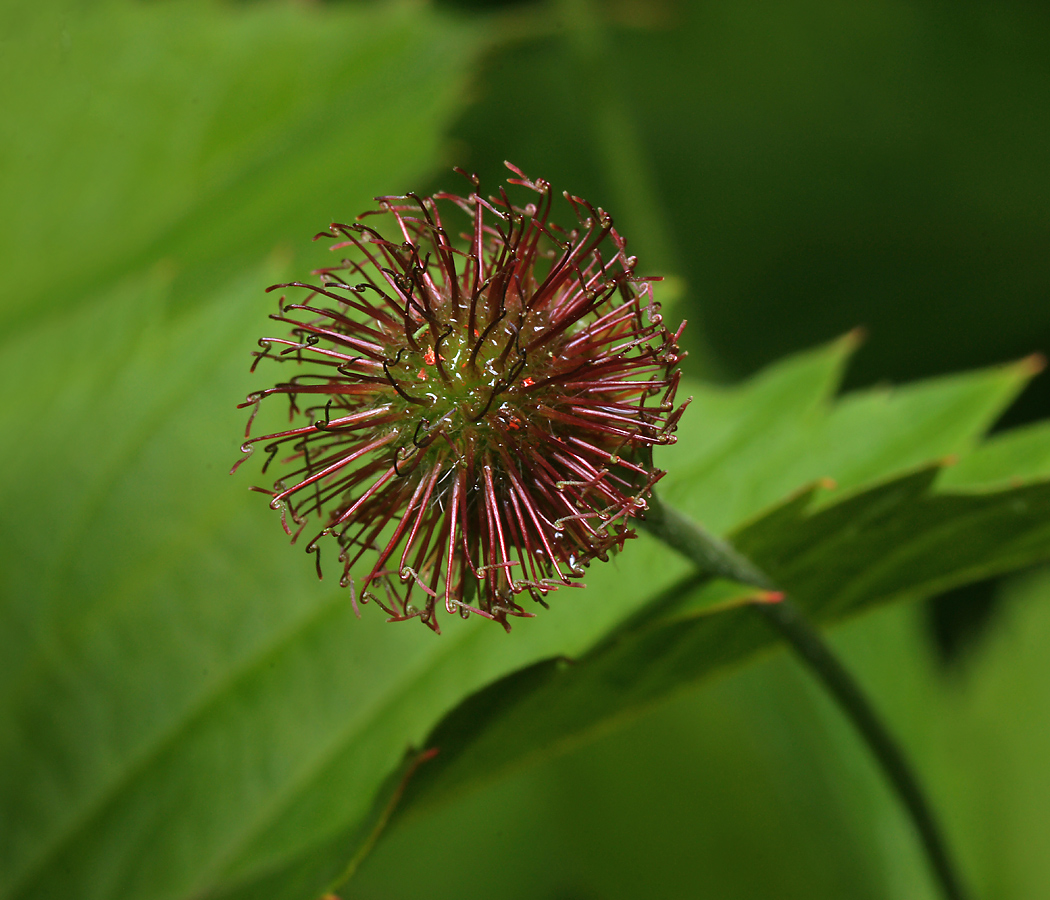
(475, 400)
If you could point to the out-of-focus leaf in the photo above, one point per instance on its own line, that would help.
(1008, 458)
(750, 447)
(755, 786)
(991, 743)
(165, 680)
(204, 135)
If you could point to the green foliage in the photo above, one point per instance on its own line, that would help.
(188, 713)
(204, 135)
(755, 787)
(140, 620)
(883, 541)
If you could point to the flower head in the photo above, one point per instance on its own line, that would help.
(475, 399)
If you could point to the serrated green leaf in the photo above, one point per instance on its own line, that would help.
(755, 786)
(751, 445)
(1006, 459)
(893, 540)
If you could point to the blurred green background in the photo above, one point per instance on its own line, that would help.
(799, 168)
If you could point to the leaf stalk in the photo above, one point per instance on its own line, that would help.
(715, 556)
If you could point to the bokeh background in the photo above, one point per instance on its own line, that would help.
(797, 169)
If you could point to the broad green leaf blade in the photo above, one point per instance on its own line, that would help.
(755, 786)
(899, 540)
(205, 134)
(166, 681)
(148, 637)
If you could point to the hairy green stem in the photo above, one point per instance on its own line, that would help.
(710, 554)
(715, 556)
